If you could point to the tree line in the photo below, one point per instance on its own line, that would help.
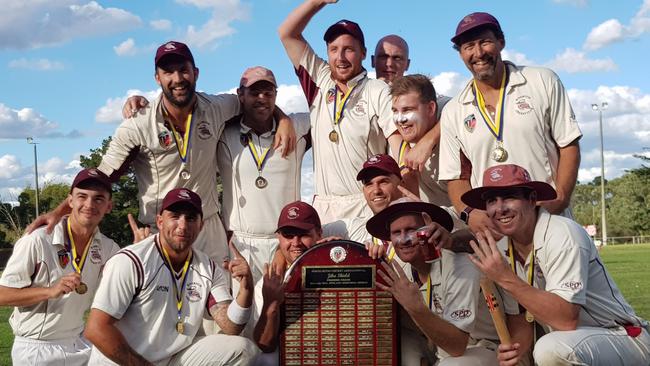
(627, 203)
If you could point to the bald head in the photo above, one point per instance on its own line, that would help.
(391, 58)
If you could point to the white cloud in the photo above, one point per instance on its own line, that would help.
(111, 111)
(291, 99)
(14, 177)
(126, 48)
(161, 24)
(612, 30)
(224, 12)
(21, 123)
(307, 177)
(9, 166)
(39, 23)
(517, 58)
(573, 61)
(616, 164)
(41, 64)
(449, 83)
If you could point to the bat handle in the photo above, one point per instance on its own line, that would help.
(495, 310)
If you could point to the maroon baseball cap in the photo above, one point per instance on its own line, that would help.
(173, 48)
(298, 215)
(379, 164)
(379, 225)
(473, 21)
(91, 174)
(504, 177)
(344, 26)
(255, 74)
(182, 195)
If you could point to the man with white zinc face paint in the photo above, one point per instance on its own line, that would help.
(415, 113)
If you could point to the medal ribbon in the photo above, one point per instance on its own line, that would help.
(182, 143)
(183, 278)
(511, 255)
(260, 159)
(402, 152)
(496, 126)
(77, 267)
(341, 101)
(429, 293)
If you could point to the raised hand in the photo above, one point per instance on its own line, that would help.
(487, 257)
(375, 251)
(404, 291)
(438, 237)
(139, 233)
(133, 105)
(238, 267)
(273, 285)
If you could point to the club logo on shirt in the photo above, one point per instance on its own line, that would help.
(193, 292)
(64, 257)
(330, 96)
(461, 314)
(338, 254)
(95, 254)
(470, 123)
(203, 130)
(243, 139)
(165, 139)
(523, 105)
(437, 303)
(360, 108)
(572, 285)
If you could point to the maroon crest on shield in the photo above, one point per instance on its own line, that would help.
(64, 258)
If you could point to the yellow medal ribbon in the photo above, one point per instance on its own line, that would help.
(429, 293)
(183, 277)
(260, 158)
(77, 267)
(496, 125)
(341, 101)
(402, 153)
(511, 251)
(183, 142)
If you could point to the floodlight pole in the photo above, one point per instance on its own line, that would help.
(30, 140)
(603, 106)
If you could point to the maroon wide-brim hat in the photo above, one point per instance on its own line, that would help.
(379, 225)
(504, 177)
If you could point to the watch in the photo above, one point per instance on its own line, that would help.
(464, 215)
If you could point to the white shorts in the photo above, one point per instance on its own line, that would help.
(212, 239)
(481, 353)
(65, 352)
(256, 249)
(593, 346)
(332, 208)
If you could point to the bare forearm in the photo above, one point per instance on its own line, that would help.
(245, 294)
(221, 318)
(567, 172)
(440, 332)
(267, 328)
(521, 331)
(297, 20)
(395, 142)
(455, 189)
(110, 341)
(27, 296)
(548, 308)
(432, 137)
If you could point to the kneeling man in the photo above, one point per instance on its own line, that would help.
(554, 271)
(154, 294)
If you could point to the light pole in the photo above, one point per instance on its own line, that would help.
(600, 110)
(30, 140)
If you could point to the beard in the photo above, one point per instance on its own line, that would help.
(182, 100)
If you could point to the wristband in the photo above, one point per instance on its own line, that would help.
(237, 314)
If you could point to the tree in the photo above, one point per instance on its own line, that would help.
(115, 225)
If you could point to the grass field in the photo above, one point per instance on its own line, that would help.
(628, 264)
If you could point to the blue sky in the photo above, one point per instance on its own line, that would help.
(68, 65)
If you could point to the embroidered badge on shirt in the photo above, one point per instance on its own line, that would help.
(331, 95)
(470, 123)
(64, 258)
(523, 105)
(165, 139)
(204, 130)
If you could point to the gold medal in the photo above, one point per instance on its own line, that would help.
(81, 289)
(529, 317)
(261, 182)
(499, 154)
(334, 136)
(180, 327)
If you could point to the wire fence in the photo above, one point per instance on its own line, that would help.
(617, 240)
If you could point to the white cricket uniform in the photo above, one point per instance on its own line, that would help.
(138, 291)
(146, 142)
(567, 264)
(455, 296)
(252, 212)
(362, 132)
(50, 331)
(538, 119)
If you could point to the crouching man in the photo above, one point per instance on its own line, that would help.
(554, 271)
(438, 290)
(154, 295)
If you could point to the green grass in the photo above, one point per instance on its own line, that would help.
(628, 264)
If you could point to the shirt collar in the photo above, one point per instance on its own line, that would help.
(357, 79)
(244, 130)
(60, 233)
